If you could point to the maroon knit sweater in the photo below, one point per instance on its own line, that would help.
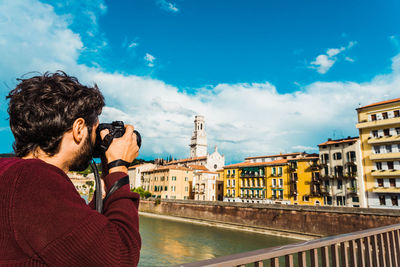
(44, 221)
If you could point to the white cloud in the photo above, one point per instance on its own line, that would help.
(324, 62)
(168, 6)
(349, 59)
(133, 44)
(243, 119)
(150, 59)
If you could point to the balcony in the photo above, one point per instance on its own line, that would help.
(385, 173)
(378, 123)
(325, 189)
(386, 190)
(315, 166)
(385, 156)
(350, 175)
(383, 139)
(352, 190)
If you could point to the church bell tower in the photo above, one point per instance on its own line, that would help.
(198, 144)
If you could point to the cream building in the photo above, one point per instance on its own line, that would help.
(341, 172)
(169, 182)
(135, 173)
(198, 150)
(379, 128)
(208, 186)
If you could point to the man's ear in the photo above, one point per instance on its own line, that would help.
(78, 130)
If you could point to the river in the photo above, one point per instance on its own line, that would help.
(167, 242)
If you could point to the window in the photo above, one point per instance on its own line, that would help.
(380, 182)
(273, 171)
(375, 133)
(390, 165)
(337, 156)
(325, 158)
(382, 200)
(377, 149)
(306, 198)
(384, 115)
(166, 188)
(241, 183)
(355, 199)
(280, 182)
(228, 192)
(229, 172)
(173, 178)
(340, 200)
(326, 170)
(233, 192)
(186, 188)
(351, 156)
(378, 165)
(339, 184)
(233, 182)
(388, 148)
(386, 132)
(280, 194)
(273, 182)
(373, 117)
(186, 179)
(395, 201)
(228, 183)
(392, 182)
(396, 113)
(280, 171)
(397, 131)
(233, 172)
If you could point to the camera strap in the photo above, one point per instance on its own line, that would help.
(118, 162)
(117, 185)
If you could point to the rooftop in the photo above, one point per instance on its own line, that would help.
(253, 164)
(273, 156)
(339, 141)
(186, 160)
(380, 103)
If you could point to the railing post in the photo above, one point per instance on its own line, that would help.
(368, 251)
(397, 241)
(393, 250)
(353, 260)
(361, 252)
(301, 258)
(314, 257)
(275, 262)
(258, 264)
(344, 255)
(335, 255)
(289, 260)
(381, 250)
(388, 252)
(325, 256)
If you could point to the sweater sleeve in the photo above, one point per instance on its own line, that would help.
(52, 222)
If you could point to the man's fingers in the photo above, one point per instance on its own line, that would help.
(104, 133)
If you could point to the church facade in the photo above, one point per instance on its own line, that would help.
(198, 149)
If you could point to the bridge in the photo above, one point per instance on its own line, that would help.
(378, 247)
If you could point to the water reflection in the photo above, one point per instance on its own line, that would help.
(167, 242)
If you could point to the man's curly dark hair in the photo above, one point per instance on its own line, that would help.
(43, 108)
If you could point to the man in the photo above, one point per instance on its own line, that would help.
(43, 219)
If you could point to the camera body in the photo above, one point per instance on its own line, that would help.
(116, 130)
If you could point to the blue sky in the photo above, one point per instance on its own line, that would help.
(269, 76)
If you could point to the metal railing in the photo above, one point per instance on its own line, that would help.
(373, 247)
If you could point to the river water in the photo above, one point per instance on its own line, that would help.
(167, 242)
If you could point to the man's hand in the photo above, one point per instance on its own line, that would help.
(124, 148)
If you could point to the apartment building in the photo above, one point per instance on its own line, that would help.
(207, 186)
(341, 172)
(169, 182)
(135, 173)
(275, 179)
(379, 128)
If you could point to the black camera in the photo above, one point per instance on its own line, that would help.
(116, 129)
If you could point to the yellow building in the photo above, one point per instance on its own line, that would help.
(275, 179)
(379, 127)
(172, 182)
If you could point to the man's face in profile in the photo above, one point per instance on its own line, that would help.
(82, 159)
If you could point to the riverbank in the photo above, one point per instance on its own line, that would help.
(235, 226)
(300, 222)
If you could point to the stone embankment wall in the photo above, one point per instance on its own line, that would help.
(308, 220)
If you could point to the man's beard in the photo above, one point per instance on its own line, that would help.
(83, 157)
